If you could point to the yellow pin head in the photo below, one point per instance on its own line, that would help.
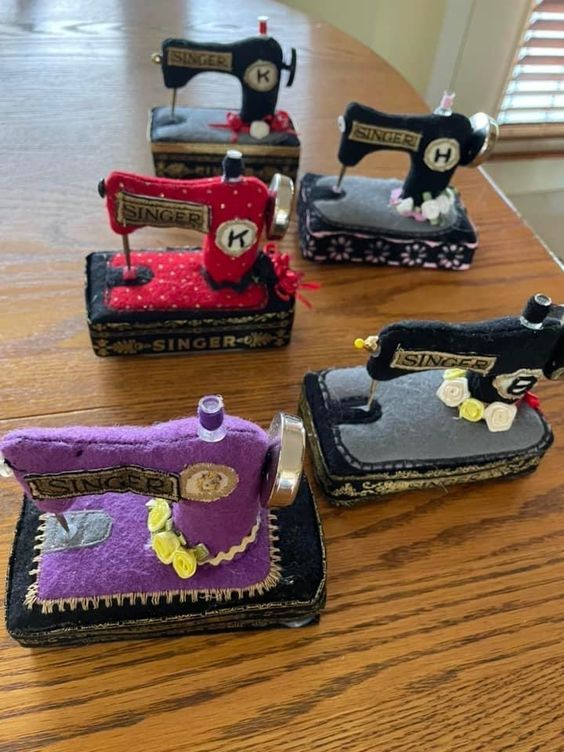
(371, 344)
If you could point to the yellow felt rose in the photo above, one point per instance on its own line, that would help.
(165, 545)
(159, 513)
(471, 409)
(184, 563)
(454, 373)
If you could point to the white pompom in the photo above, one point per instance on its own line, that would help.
(259, 129)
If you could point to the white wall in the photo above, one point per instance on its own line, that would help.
(465, 45)
(403, 32)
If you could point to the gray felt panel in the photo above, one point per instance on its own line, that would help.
(193, 124)
(416, 425)
(86, 528)
(365, 205)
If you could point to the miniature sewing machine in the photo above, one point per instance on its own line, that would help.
(452, 405)
(187, 142)
(420, 222)
(198, 524)
(230, 294)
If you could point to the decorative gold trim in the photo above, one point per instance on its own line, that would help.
(262, 150)
(32, 599)
(173, 342)
(275, 318)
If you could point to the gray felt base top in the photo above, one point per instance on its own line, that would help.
(194, 125)
(415, 425)
(365, 205)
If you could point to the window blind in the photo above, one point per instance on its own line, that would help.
(533, 102)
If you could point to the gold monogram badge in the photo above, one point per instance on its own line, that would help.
(207, 482)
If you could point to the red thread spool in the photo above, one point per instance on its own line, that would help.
(263, 24)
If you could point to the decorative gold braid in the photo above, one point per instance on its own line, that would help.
(237, 549)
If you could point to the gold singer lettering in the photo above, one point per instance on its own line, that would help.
(132, 209)
(389, 137)
(183, 57)
(127, 478)
(427, 360)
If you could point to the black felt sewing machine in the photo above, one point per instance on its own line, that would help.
(420, 222)
(186, 141)
(437, 404)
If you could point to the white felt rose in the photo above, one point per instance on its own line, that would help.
(499, 416)
(430, 209)
(444, 203)
(405, 206)
(453, 392)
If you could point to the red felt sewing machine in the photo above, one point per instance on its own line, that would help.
(230, 293)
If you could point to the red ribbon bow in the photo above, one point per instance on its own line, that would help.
(289, 281)
(279, 123)
(532, 400)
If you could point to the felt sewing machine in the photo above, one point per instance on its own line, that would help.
(420, 222)
(230, 294)
(187, 141)
(198, 524)
(437, 404)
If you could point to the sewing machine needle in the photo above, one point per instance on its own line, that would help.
(62, 520)
(126, 250)
(173, 104)
(337, 186)
(372, 394)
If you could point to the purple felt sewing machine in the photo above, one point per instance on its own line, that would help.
(175, 526)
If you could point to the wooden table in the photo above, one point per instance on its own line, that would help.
(443, 626)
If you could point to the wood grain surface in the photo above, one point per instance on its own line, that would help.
(444, 622)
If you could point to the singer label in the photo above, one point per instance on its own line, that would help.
(141, 211)
(183, 57)
(427, 360)
(394, 138)
(105, 480)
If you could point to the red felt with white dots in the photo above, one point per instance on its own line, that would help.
(245, 200)
(178, 283)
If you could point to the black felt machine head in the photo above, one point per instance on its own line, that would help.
(257, 62)
(437, 143)
(503, 358)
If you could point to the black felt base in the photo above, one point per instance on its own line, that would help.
(179, 331)
(347, 484)
(184, 153)
(450, 248)
(296, 601)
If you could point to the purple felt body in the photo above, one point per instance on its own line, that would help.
(124, 563)
(169, 447)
